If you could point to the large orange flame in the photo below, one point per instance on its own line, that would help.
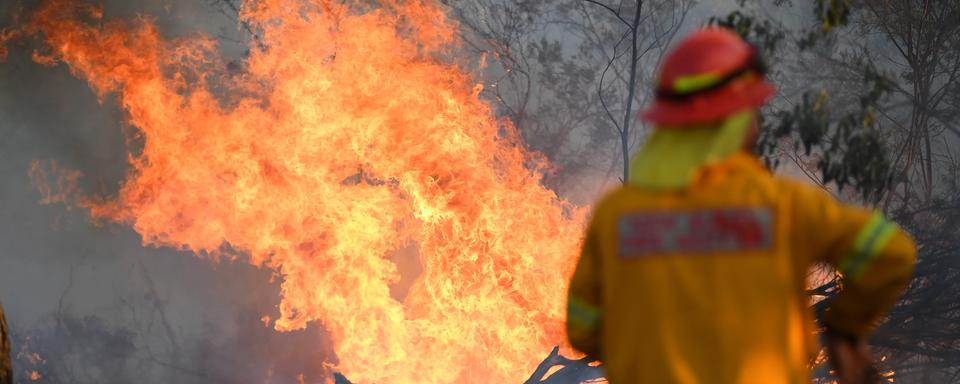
(344, 137)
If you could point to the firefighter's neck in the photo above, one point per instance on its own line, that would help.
(752, 137)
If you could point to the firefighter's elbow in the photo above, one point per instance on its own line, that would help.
(584, 342)
(589, 348)
(902, 254)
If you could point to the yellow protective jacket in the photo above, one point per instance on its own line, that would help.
(707, 284)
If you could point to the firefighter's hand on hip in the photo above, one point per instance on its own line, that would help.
(851, 359)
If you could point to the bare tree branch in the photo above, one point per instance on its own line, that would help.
(616, 13)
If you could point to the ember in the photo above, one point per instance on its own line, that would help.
(343, 138)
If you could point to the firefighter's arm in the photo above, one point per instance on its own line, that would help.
(876, 267)
(584, 300)
(874, 256)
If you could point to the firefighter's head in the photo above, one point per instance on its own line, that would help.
(704, 110)
(710, 75)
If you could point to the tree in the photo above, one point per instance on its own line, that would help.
(926, 54)
(560, 70)
(6, 374)
(633, 30)
(644, 37)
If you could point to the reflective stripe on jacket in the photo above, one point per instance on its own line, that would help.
(708, 284)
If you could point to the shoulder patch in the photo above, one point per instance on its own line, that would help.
(692, 232)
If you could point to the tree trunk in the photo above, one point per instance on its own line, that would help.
(631, 92)
(6, 372)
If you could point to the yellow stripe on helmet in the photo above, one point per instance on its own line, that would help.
(692, 83)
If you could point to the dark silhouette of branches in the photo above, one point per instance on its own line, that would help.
(570, 372)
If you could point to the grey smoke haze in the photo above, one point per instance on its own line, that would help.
(48, 114)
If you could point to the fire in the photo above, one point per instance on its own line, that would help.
(344, 137)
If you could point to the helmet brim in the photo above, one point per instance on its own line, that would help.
(709, 107)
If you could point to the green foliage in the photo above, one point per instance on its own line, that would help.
(829, 13)
(764, 34)
(832, 13)
(849, 145)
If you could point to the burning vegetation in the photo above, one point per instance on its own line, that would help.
(345, 136)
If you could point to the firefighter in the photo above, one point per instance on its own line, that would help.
(695, 270)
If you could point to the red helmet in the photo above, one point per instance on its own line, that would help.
(712, 74)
